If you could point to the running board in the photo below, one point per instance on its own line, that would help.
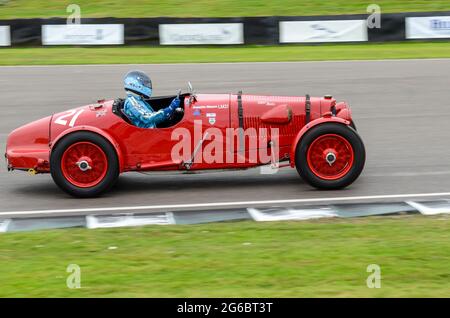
(204, 171)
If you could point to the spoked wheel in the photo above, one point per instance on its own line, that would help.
(84, 164)
(330, 156)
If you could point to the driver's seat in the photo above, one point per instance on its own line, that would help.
(117, 108)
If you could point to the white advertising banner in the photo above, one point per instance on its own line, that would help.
(5, 35)
(203, 33)
(323, 31)
(83, 34)
(428, 27)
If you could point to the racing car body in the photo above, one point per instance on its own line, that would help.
(85, 149)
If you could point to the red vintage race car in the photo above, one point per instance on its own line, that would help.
(85, 149)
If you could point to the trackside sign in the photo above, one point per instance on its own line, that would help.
(427, 27)
(83, 34)
(202, 33)
(323, 31)
(5, 35)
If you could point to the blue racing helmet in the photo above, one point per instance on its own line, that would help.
(138, 82)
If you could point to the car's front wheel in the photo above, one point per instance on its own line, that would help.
(330, 156)
(84, 164)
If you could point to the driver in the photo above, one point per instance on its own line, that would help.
(139, 87)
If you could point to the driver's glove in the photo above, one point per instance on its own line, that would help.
(170, 110)
(174, 105)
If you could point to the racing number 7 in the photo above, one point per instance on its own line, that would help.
(62, 120)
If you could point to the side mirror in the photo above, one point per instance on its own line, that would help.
(192, 97)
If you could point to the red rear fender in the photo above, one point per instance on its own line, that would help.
(94, 130)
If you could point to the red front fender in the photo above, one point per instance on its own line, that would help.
(310, 125)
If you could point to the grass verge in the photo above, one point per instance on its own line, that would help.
(325, 258)
(146, 55)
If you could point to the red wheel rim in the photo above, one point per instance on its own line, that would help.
(330, 157)
(84, 164)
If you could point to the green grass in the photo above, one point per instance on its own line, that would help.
(144, 55)
(245, 259)
(208, 8)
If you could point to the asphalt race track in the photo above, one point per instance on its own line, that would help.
(401, 109)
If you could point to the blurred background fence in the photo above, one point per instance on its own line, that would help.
(226, 31)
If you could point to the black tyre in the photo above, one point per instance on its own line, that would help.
(330, 156)
(84, 164)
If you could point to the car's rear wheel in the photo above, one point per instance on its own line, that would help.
(84, 164)
(330, 156)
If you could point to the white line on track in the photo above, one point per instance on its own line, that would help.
(227, 204)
